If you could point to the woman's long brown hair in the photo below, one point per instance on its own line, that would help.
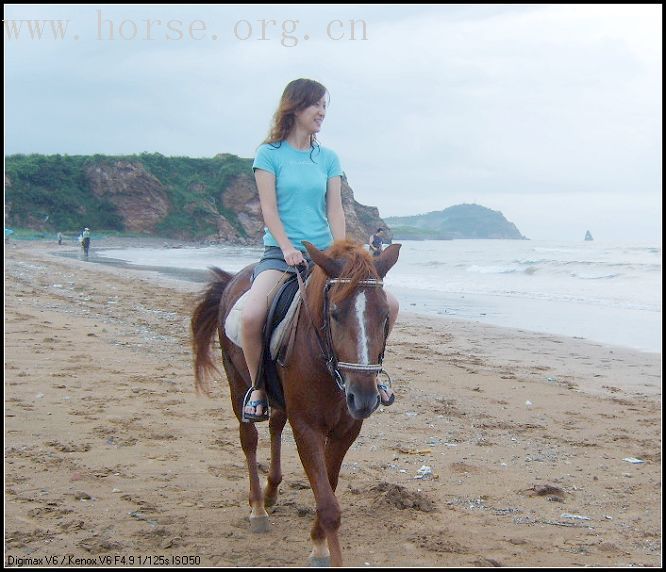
(298, 95)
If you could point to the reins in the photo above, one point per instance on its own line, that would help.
(326, 345)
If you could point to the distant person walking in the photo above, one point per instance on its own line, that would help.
(376, 242)
(85, 240)
(60, 238)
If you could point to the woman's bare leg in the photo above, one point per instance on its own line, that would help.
(253, 318)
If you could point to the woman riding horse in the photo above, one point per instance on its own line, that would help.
(299, 184)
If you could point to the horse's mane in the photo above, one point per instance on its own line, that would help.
(356, 265)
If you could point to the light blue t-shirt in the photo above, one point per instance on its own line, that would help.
(301, 179)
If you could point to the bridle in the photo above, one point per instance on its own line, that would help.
(326, 344)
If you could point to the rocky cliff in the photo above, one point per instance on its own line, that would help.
(244, 223)
(139, 197)
(207, 199)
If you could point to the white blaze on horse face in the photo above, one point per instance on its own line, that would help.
(359, 306)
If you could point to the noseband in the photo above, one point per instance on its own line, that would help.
(326, 345)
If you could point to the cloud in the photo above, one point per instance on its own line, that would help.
(513, 103)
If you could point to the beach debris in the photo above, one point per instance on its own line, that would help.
(574, 516)
(633, 460)
(544, 490)
(414, 451)
(528, 403)
(569, 524)
(551, 379)
(170, 542)
(411, 413)
(423, 472)
(402, 498)
(139, 516)
(551, 492)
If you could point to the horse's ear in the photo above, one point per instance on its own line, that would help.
(328, 265)
(387, 259)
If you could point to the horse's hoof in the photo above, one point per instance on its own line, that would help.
(270, 501)
(259, 523)
(320, 561)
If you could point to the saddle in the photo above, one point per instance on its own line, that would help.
(279, 331)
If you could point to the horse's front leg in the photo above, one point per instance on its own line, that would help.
(324, 535)
(275, 425)
(335, 450)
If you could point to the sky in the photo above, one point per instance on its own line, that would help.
(550, 114)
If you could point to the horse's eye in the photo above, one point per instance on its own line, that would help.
(335, 314)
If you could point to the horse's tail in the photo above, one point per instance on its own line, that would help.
(203, 324)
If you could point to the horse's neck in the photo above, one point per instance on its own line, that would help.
(311, 317)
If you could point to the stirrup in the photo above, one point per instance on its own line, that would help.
(252, 417)
(385, 387)
(391, 399)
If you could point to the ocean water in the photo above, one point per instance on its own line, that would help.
(600, 291)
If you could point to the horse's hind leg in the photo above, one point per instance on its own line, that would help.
(258, 515)
(275, 425)
(249, 438)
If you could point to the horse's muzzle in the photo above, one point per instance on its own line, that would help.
(361, 404)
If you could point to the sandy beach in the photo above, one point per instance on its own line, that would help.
(531, 442)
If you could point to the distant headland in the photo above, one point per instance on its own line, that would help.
(458, 221)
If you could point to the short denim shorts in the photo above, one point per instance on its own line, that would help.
(273, 259)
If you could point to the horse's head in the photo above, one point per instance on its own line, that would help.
(348, 295)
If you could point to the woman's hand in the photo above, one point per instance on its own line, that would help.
(293, 256)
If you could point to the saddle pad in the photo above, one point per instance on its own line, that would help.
(233, 327)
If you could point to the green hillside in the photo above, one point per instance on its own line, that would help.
(52, 192)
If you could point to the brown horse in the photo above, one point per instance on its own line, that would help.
(329, 381)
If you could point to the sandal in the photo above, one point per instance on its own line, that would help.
(385, 388)
(253, 417)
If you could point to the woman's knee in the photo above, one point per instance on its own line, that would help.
(255, 310)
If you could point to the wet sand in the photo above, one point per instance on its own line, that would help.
(109, 453)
